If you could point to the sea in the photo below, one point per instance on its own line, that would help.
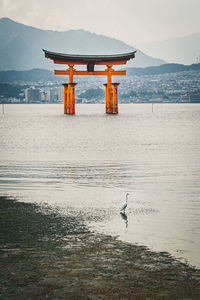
(85, 164)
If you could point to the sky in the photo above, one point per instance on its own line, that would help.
(131, 21)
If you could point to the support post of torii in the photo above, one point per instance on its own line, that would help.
(69, 98)
(111, 93)
(69, 93)
(90, 61)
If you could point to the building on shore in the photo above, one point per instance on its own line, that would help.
(193, 97)
(32, 95)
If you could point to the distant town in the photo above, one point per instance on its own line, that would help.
(174, 87)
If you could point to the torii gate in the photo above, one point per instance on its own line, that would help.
(90, 61)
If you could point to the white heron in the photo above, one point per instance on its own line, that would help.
(124, 205)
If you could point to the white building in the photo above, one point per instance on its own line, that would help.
(32, 95)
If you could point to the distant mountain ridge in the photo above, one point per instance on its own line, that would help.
(33, 75)
(36, 75)
(21, 46)
(183, 50)
(166, 68)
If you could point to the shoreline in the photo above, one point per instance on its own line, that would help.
(47, 255)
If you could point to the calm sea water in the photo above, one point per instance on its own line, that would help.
(84, 164)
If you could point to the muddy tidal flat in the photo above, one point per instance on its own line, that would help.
(47, 255)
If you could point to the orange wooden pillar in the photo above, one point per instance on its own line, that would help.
(69, 98)
(107, 99)
(109, 90)
(69, 93)
(72, 98)
(115, 98)
(65, 97)
(111, 93)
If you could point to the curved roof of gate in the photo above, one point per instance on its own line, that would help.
(88, 59)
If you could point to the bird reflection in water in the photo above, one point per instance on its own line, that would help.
(122, 211)
(124, 217)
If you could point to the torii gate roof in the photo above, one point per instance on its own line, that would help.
(64, 58)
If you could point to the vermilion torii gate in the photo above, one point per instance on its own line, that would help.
(90, 61)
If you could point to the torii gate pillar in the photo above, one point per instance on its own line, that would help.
(111, 93)
(69, 98)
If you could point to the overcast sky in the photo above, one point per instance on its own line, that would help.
(128, 20)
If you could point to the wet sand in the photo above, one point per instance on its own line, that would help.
(47, 255)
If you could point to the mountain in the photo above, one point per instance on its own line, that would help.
(21, 46)
(185, 50)
(163, 69)
(36, 75)
(33, 75)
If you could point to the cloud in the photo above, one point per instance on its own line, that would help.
(129, 20)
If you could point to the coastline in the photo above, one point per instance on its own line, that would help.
(47, 255)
